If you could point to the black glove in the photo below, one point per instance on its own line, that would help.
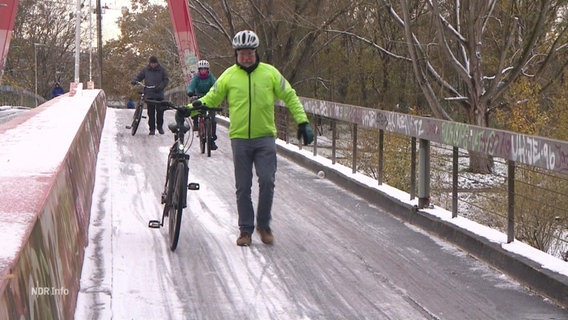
(133, 82)
(305, 132)
(196, 104)
(185, 112)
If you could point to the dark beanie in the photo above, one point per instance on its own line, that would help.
(153, 59)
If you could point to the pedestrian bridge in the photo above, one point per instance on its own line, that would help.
(77, 191)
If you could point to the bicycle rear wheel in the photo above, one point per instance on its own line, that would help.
(202, 135)
(208, 136)
(177, 204)
(136, 118)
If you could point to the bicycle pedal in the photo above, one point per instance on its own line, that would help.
(193, 186)
(154, 224)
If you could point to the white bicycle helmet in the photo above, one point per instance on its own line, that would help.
(245, 39)
(203, 64)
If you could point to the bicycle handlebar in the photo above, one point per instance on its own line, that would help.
(138, 83)
(170, 105)
(206, 108)
(164, 103)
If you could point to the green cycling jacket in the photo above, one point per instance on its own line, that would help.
(251, 100)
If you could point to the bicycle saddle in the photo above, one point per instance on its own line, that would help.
(174, 127)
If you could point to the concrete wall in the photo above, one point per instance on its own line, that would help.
(47, 173)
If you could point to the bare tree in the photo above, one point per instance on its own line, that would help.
(44, 32)
(145, 31)
(476, 49)
(290, 31)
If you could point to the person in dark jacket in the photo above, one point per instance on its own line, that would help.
(155, 80)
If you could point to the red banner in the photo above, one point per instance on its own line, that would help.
(185, 37)
(8, 9)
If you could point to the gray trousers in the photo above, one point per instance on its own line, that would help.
(261, 153)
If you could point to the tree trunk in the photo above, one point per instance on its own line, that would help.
(479, 162)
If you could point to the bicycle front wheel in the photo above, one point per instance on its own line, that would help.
(136, 118)
(178, 202)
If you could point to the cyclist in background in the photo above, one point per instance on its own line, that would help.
(57, 90)
(131, 104)
(154, 75)
(199, 86)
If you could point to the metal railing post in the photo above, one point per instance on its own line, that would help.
(354, 164)
(381, 156)
(424, 174)
(455, 165)
(413, 168)
(511, 201)
(333, 141)
(315, 142)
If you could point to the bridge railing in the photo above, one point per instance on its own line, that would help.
(526, 195)
(11, 96)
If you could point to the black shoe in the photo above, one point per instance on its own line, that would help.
(161, 131)
(152, 132)
(213, 146)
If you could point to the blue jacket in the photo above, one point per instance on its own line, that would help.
(200, 87)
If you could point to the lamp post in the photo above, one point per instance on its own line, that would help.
(77, 41)
(35, 62)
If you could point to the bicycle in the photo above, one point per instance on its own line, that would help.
(137, 116)
(205, 128)
(174, 196)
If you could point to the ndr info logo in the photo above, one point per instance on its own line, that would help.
(49, 291)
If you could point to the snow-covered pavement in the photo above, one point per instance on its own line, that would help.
(335, 256)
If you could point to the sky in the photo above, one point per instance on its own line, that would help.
(112, 10)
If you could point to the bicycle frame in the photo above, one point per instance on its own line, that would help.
(174, 196)
(176, 156)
